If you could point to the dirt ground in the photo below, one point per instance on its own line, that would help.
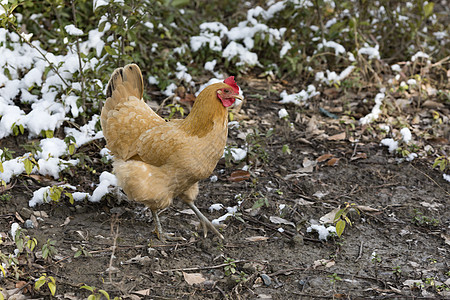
(397, 246)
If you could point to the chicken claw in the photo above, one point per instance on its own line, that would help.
(204, 221)
(163, 236)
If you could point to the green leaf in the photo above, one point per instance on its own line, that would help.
(70, 196)
(52, 287)
(1, 167)
(86, 287)
(3, 271)
(77, 254)
(104, 293)
(110, 50)
(340, 226)
(339, 214)
(49, 134)
(28, 166)
(45, 252)
(71, 149)
(428, 9)
(40, 282)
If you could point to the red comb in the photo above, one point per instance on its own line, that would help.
(230, 81)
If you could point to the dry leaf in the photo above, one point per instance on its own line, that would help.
(366, 208)
(193, 278)
(71, 296)
(433, 205)
(359, 155)
(20, 284)
(329, 217)
(438, 140)
(40, 213)
(278, 220)
(432, 104)
(324, 157)
(446, 238)
(143, 292)
(412, 283)
(256, 238)
(337, 137)
(308, 163)
(66, 221)
(333, 162)
(239, 175)
(308, 169)
(302, 201)
(139, 259)
(187, 211)
(327, 263)
(18, 217)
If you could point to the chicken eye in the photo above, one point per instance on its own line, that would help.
(227, 90)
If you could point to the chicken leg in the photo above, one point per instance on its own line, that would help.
(204, 221)
(163, 236)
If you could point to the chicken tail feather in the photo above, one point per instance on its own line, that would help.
(131, 77)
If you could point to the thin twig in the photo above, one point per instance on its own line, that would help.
(42, 54)
(203, 268)
(428, 176)
(83, 92)
(360, 251)
(115, 233)
(164, 102)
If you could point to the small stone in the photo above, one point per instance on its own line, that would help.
(298, 240)
(28, 224)
(266, 279)
(26, 212)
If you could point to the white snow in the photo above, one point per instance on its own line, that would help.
(107, 180)
(338, 48)
(376, 110)
(371, 52)
(216, 206)
(406, 134)
(282, 113)
(419, 54)
(300, 97)
(14, 227)
(396, 68)
(209, 65)
(332, 77)
(323, 231)
(391, 143)
(286, 47)
(86, 133)
(446, 177)
(245, 56)
(230, 212)
(411, 81)
(238, 154)
(72, 30)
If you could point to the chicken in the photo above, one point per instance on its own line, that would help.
(156, 161)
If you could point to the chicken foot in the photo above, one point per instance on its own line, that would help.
(163, 236)
(204, 221)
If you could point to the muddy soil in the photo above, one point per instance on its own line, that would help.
(397, 246)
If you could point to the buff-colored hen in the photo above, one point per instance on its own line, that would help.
(156, 161)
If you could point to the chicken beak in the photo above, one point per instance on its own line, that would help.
(239, 97)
